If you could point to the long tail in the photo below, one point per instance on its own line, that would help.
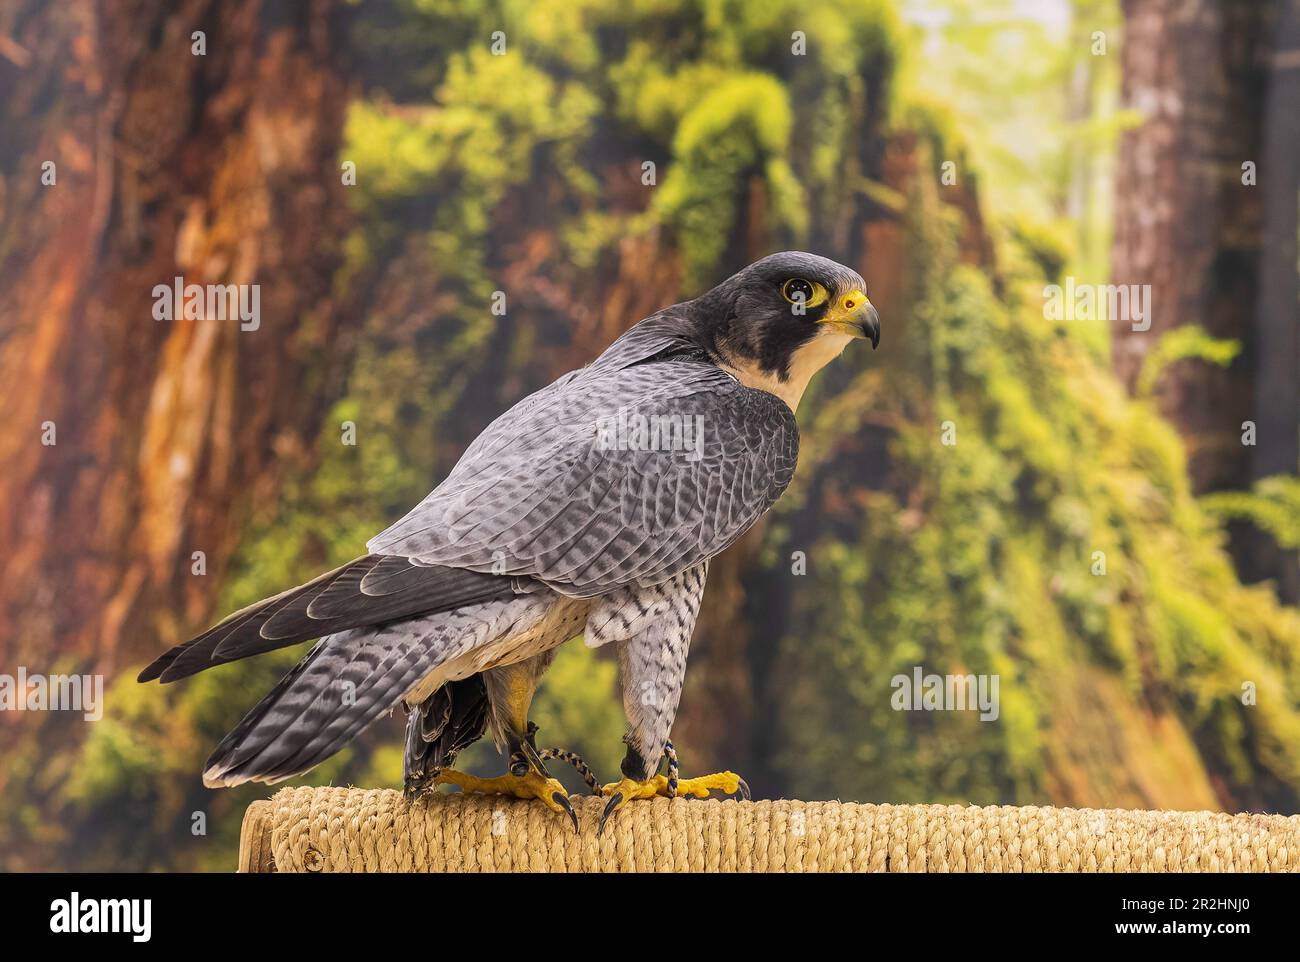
(384, 624)
(373, 590)
(345, 683)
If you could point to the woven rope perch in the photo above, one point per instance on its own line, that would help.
(356, 830)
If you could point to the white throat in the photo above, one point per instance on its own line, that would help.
(807, 361)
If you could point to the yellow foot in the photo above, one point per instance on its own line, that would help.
(620, 793)
(532, 785)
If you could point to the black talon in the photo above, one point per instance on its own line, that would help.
(609, 810)
(744, 788)
(563, 800)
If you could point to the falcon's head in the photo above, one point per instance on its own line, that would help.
(781, 319)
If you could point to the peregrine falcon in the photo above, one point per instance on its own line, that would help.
(591, 508)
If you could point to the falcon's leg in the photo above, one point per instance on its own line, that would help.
(701, 785)
(510, 692)
(669, 786)
(652, 663)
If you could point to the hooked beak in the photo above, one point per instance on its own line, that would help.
(870, 325)
(855, 316)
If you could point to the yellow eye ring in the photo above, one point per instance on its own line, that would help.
(802, 292)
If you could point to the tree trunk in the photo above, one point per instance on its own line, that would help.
(1277, 316)
(129, 443)
(1185, 224)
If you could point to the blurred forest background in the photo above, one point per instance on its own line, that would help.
(961, 155)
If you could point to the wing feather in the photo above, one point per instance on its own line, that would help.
(539, 493)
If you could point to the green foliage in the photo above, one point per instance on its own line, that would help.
(1032, 108)
(1272, 505)
(983, 558)
(1187, 342)
(739, 129)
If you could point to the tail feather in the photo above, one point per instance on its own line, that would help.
(331, 603)
(346, 682)
(195, 655)
(352, 677)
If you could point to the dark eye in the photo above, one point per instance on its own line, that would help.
(797, 291)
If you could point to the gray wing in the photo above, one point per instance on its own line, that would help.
(541, 492)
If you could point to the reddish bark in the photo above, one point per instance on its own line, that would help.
(219, 168)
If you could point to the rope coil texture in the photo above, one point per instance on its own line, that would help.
(377, 830)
